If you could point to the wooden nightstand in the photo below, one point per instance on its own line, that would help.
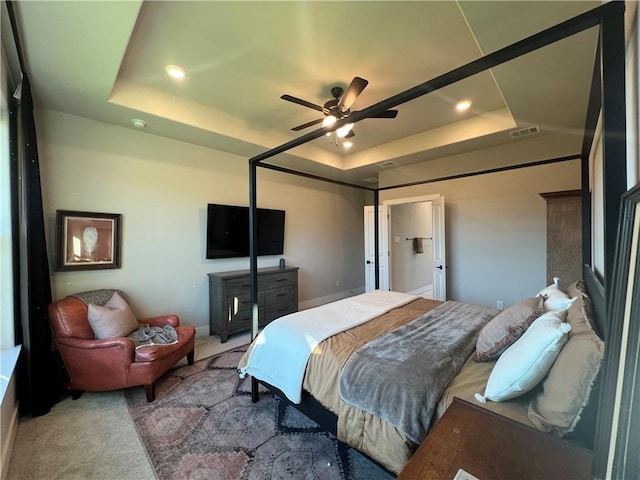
(493, 447)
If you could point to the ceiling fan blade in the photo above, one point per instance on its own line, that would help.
(350, 134)
(307, 125)
(351, 93)
(386, 114)
(299, 101)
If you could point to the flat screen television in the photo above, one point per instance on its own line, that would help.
(228, 231)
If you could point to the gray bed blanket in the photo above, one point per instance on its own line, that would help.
(400, 376)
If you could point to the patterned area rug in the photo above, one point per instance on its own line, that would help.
(203, 426)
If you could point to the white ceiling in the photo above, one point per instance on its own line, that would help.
(105, 60)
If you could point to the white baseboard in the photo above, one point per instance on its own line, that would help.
(202, 331)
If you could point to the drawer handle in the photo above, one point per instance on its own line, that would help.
(281, 280)
(282, 295)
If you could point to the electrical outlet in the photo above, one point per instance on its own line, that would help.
(499, 304)
(337, 283)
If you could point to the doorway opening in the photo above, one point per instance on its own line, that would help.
(411, 248)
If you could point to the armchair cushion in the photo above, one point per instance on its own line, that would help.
(150, 353)
(114, 319)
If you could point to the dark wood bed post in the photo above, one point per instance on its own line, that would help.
(614, 164)
(253, 263)
(614, 127)
(376, 240)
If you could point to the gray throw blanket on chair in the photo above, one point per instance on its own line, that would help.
(400, 376)
(152, 335)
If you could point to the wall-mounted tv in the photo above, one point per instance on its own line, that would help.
(228, 231)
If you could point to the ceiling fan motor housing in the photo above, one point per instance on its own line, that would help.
(338, 107)
(331, 106)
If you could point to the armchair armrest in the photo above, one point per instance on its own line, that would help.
(118, 342)
(90, 361)
(161, 320)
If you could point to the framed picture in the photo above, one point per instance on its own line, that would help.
(87, 240)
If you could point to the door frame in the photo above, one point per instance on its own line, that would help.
(381, 260)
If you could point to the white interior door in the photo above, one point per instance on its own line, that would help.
(369, 246)
(439, 252)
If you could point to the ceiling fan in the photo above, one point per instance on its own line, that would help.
(338, 107)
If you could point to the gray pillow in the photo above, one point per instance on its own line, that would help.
(506, 327)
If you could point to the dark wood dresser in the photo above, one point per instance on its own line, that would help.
(492, 447)
(230, 298)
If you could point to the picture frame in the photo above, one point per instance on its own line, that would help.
(87, 240)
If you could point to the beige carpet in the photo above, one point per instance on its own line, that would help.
(92, 438)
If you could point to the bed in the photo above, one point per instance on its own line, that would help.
(602, 188)
(385, 409)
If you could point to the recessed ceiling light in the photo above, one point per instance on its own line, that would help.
(138, 123)
(463, 105)
(347, 145)
(175, 71)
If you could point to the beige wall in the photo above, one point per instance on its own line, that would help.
(162, 187)
(495, 223)
(496, 230)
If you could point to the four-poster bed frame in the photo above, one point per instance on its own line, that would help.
(608, 97)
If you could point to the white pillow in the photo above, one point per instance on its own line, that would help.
(114, 319)
(525, 363)
(555, 299)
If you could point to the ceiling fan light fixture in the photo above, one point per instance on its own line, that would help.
(329, 120)
(175, 71)
(344, 130)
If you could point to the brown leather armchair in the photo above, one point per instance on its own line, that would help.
(109, 364)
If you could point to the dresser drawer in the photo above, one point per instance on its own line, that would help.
(279, 281)
(242, 285)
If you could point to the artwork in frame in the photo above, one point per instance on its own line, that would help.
(87, 240)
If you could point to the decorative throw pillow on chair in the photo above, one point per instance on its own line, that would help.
(114, 319)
